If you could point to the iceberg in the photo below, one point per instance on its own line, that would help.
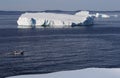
(55, 20)
(84, 73)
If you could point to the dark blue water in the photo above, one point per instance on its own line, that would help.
(51, 50)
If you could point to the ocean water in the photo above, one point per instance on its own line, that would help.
(56, 49)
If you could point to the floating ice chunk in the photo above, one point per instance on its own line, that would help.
(85, 73)
(101, 15)
(98, 15)
(55, 20)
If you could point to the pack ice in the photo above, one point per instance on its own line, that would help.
(55, 20)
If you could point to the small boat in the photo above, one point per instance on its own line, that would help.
(18, 52)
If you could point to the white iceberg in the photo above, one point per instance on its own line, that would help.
(55, 20)
(85, 73)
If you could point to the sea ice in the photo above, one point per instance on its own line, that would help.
(84, 73)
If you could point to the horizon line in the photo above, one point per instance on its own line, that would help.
(58, 10)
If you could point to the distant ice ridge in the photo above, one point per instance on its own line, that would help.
(84, 73)
(55, 20)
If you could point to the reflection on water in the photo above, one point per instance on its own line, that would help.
(38, 26)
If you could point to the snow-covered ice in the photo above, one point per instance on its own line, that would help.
(84, 73)
(55, 20)
(83, 13)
